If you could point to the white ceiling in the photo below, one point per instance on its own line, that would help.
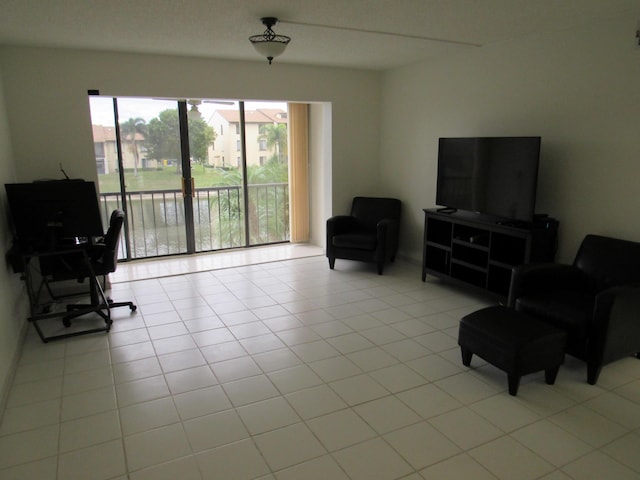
(220, 28)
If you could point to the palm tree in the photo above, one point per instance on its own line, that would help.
(264, 226)
(129, 130)
(276, 137)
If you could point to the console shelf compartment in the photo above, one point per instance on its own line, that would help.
(476, 251)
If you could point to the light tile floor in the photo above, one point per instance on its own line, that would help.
(287, 370)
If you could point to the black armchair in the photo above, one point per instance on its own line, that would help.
(596, 300)
(369, 234)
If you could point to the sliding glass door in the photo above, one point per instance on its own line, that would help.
(192, 175)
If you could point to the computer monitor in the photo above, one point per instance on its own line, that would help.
(49, 213)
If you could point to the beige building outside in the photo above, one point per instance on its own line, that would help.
(225, 151)
(104, 144)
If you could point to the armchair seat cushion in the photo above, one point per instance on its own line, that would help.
(359, 241)
(569, 310)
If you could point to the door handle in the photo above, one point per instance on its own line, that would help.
(192, 185)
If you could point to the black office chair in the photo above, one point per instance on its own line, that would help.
(97, 260)
(103, 260)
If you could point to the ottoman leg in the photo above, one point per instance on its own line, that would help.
(514, 383)
(550, 375)
(466, 356)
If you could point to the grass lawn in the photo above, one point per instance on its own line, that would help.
(166, 179)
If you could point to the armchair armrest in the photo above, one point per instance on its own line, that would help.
(616, 326)
(340, 224)
(542, 277)
(387, 235)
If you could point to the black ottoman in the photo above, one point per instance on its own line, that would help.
(513, 342)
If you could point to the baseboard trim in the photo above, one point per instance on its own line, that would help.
(13, 366)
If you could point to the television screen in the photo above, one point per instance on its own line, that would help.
(47, 212)
(491, 175)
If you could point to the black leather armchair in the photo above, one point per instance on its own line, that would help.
(596, 300)
(369, 234)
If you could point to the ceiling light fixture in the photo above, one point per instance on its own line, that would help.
(269, 44)
(193, 111)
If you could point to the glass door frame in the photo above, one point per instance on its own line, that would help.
(245, 182)
(190, 195)
(123, 187)
(188, 184)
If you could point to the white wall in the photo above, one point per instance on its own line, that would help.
(46, 95)
(579, 89)
(320, 175)
(13, 305)
(44, 116)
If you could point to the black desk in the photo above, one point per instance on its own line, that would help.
(30, 263)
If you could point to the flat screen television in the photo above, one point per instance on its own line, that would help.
(496, 176)
(47, 212)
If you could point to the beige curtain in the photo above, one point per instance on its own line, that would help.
(299, 171)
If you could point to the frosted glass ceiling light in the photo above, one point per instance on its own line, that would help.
(269, 44)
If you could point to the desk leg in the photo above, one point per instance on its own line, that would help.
(99, 303)
(39, 331)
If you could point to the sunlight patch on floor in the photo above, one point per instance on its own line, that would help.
(178, 265)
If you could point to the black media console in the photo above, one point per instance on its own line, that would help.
(478, 251)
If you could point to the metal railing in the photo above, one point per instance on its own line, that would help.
(156, 220)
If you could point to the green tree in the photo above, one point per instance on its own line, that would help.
(264, 226)
(201, 137)
(163, 140)
(276, 137)
(274, 171)
(129, 130)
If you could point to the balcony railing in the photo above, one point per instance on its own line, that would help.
(156, 220)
